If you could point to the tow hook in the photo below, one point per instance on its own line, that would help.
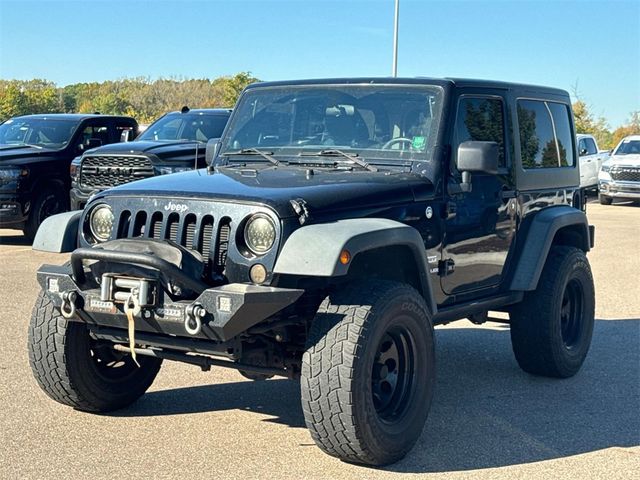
(193, 323)
(68, 307)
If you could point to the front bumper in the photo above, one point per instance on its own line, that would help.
(223, 312)
(13, 210)
(616, 189)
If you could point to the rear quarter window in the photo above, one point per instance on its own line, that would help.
(545, 134)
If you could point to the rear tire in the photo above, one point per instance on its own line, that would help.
(368, 373)
(75, 370)
(50, 201)
(551, 328)
(604, 200)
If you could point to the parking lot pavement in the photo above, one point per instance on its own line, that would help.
(488, 420)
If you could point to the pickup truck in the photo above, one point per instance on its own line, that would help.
(591, 159)
(620, 175)
(35, 154)
(176, 142)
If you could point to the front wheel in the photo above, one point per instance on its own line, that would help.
(368, 372)
(50, 201)
(76, 370)
(551, 328)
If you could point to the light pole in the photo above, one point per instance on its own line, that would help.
(394, 71)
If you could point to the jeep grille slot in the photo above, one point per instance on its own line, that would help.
(223, 245)
(104, 171)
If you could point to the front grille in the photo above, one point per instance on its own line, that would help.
(195, 232)
(625, 174)
(105, 171)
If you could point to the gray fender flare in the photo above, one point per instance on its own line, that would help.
(58, 233)
(314, 250)
(540, 234)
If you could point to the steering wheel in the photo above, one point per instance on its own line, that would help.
(394, 141)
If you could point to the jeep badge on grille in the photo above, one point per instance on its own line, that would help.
(176, 207)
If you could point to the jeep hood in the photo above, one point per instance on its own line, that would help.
(174, 150)
(323, 191)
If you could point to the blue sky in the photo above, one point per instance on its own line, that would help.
(594, 44)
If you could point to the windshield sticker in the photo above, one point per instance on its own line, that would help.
(418, 143)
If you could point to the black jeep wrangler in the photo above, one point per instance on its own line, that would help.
(338, 222)
(35, 154)
(176, 142)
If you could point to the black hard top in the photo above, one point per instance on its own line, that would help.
(70, 116)
(450, 82)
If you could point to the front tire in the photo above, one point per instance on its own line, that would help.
(551, 328)
(368, 372)
(50, 201)
(76, 370)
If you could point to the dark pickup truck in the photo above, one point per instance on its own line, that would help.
(174, 143)
(35, 154)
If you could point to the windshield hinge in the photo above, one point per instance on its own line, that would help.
(300, 207)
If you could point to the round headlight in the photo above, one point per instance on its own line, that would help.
(260, 234)
(101, 222)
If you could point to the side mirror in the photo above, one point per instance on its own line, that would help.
(582, 152)
(473, 156)
(213, 147)
(94, 142)
(479, 157)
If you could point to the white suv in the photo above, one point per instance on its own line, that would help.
(619, 176)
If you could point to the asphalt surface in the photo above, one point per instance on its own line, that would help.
(488, 420)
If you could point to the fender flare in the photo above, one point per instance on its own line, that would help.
(539, 237)
(314, 250)
(58, 233)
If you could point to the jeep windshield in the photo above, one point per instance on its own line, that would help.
(194, 127)
(39, 133)
(373, 122)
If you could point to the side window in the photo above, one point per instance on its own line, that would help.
(582, 148)
(590, 146)
(96, 131)
(562, 129)
(481, 119)
(545, 134)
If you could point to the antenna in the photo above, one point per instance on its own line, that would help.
(394, 68)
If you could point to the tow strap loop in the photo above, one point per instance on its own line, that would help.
(131, 309)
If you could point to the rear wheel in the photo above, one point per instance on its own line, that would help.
(76, 370)
(368, 373)
(551, 328)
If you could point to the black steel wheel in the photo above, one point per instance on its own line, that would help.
(75, 370)
(551, 328)
(368, 373)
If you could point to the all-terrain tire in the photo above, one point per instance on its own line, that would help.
(73, 370)
(347, 408)
(50, 201)
(551, 328)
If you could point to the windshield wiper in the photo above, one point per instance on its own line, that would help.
(255, 151)
(354, 158)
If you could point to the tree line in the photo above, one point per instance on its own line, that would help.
(141, 98)
(146, 99)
